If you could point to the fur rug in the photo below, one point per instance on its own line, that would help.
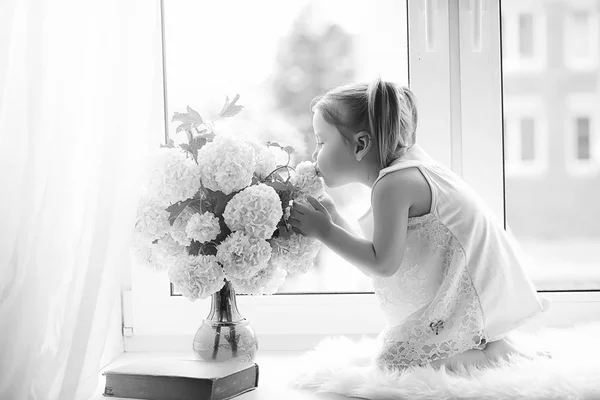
(339, 365)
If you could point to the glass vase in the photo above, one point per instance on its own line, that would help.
(225, 335)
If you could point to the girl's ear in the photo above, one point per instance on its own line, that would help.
(362, 144)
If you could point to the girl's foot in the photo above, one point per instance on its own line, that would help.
(529, 355)
(503, 348)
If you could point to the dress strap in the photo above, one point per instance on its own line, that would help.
(397, 167)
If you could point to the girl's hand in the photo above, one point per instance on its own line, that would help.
(312, 220)
(329, 205)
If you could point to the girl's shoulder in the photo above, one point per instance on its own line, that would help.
(408, 184)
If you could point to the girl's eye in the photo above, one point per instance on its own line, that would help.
(319, 144)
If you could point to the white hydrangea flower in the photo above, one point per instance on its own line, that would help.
(256, 210)
(167, 251)
(143, 253)
(266, 161)
(306, 179)
(173, 177)
(152, 221)
(266, 281)
(295, 254)
(226, 165)
(203, 227)
(197, 277)
(242, 255)
(178, 229)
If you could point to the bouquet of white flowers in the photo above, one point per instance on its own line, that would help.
(215, 209)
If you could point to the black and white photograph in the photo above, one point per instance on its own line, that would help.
(299, 199)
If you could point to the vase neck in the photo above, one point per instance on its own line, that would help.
(224, 306)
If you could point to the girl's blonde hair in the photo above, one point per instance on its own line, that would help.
(384, 109)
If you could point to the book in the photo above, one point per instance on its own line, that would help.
(179, 379)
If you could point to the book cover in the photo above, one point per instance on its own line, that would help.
(179, 379)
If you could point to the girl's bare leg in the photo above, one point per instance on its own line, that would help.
(470, 357)
(494, 351)
(502, 348)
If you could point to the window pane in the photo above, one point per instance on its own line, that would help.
(527, 139)
(279, 55)
(554, 214)
(583, 138)
(526, 35)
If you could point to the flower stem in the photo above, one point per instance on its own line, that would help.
(287, 167)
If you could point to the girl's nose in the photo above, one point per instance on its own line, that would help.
(315, 154)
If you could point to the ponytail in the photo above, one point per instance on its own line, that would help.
(387, 111)
(392, 119)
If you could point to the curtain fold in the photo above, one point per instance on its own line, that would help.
(80, 110)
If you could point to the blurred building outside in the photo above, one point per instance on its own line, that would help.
(552, 137)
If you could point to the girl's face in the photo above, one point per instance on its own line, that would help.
(333, 155)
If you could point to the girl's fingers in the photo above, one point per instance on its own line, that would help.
(295, 213)
(315, 203)
(294, 222)
(300, 207)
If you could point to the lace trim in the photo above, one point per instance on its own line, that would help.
(444, 320)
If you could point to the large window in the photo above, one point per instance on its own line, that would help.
(551, 131)
(278, 55)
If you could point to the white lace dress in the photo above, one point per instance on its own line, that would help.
(462, 282)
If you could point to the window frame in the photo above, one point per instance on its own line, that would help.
(578, 104)
(446, 76)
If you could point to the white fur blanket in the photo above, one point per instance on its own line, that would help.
(339, 365)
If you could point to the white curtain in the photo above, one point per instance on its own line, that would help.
(80, 108)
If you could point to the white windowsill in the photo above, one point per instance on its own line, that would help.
(278, 352)
(271, 384)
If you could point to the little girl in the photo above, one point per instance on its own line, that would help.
(448, 277)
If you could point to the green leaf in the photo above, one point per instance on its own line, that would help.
(208, 136)
(194, 114)
(283, 232)
(176, 209)
(216, 201)
(196, 143)
(195, 248)
(230, 108)
(225, 231)
(185, 126)
(197, 205)
(189, 120)
(288, 149)
(277, 177)
(190, 116)
(190, 150)
(205, 133)
(281, 187)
